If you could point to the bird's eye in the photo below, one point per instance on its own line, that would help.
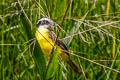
(47, 22)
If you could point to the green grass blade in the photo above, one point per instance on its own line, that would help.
(40, 61)
(38, 55)
(53, 65)
(27, 26)
(75, 29)
(112, 65)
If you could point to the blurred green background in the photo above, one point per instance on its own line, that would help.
(89, 28)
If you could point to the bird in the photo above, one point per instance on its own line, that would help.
(46, 39)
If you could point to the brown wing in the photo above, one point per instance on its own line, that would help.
(53, 36)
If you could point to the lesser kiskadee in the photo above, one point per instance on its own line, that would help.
(46, 39)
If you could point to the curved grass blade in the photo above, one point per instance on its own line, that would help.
(53, 65)
(38, 55)
(40, 61)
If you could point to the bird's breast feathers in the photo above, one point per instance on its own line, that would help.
(45, 41)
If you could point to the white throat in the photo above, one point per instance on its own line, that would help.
(43, 26)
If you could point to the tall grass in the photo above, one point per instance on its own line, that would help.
(89, 28)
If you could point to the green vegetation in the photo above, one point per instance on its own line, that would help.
(89, 28)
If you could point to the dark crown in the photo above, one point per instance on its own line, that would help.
(43, 22)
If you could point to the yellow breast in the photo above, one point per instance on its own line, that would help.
(44, 41)
(47, 44)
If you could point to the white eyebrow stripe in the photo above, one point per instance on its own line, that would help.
(47, 19)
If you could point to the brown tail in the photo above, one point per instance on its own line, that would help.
(74, 66)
